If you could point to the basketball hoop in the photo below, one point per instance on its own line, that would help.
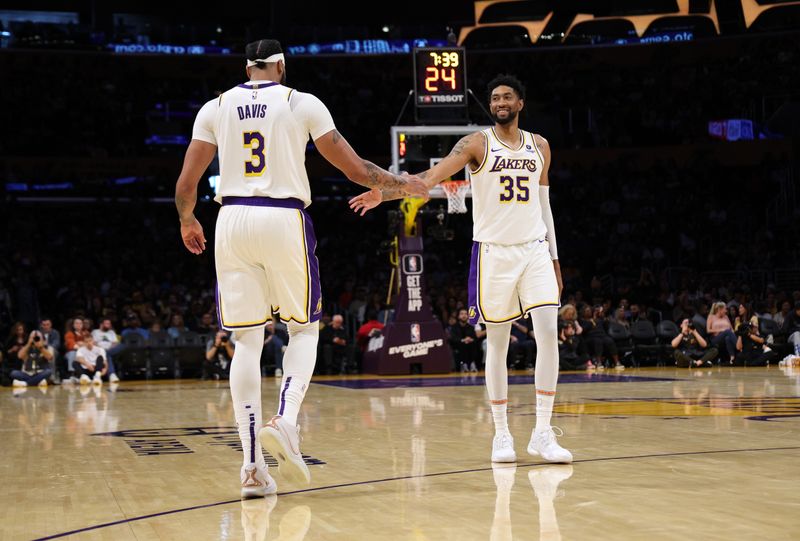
(456, 192)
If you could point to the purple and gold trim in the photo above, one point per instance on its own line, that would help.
(314, 289)
(474, 286)
(288, 203)
(235, 326)
(257, 86)
(283, 395)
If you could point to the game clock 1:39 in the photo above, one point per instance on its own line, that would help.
(440, 77)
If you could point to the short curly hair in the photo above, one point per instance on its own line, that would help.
(506, 80)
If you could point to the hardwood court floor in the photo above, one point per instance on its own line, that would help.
(659, 454)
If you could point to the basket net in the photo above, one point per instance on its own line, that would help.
(456, 192)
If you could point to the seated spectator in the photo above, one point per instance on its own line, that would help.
(568, 314)
(783, 313)
(619, 317)
(177, 326)
(17, 338)
(637, 314)
(333, 344)
(372, 328)
(134, 325)
(74, 340)
(521, 343)
(464, 343)
(274, 347)
(570, 356)
(751, 346)
(219, 354)
(37, 358)
(207, 325)
(598, 341)
(90, 362)
(791, 328)
(720, 329)
(106, 338)
(691, 349)
(157, 331)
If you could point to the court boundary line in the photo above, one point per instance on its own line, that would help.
(403, 478)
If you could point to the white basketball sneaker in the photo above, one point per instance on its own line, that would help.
(503, 448)
(97, 379)
(256, 482)
(85, 380)
(282, 440)
(543, 443)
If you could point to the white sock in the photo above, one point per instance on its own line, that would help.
(544, 408)
(545, 330)
(246, 392)
(497, 337)
(298, 367)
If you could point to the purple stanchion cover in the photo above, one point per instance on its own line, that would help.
(414, 337)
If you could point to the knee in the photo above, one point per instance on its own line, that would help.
(303, 329)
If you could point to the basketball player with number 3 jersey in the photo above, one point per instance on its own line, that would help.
(265, 242)
(514, 268)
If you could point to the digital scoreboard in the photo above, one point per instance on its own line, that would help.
(440, 78)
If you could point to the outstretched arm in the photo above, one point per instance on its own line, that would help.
(469, 150)
(341, 155)
(198, 158)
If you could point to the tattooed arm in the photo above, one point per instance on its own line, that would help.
(468, 151)
(341, 155)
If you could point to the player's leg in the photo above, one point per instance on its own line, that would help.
(245, 381)
(494, 272)
(242, 307)
(538, 293)
(497, 336)
(294, 278)
(543, 441)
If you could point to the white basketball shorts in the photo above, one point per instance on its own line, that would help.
(265, 261)
(506, 281)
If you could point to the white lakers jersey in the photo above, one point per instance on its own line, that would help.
(505, 192)
(261, 129)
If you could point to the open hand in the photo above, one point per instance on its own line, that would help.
(366, 201)
(193, 237)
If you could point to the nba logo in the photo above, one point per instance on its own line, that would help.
(412, 264)
(414, 333)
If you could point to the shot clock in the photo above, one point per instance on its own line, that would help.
(440, 77)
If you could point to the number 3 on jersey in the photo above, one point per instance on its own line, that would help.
(523, 192)
(255, 142)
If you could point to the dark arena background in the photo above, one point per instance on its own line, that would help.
(673, 127)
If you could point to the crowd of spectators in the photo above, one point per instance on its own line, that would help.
(613, 97)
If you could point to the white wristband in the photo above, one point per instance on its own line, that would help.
(547, 217)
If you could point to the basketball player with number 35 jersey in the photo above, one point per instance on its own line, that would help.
(514, 268)
(264, 242)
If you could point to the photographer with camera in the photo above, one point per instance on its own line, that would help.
(219, 354)
(750, 346)
(36, 357)
(691, 349)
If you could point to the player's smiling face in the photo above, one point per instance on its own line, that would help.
(505, 104)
